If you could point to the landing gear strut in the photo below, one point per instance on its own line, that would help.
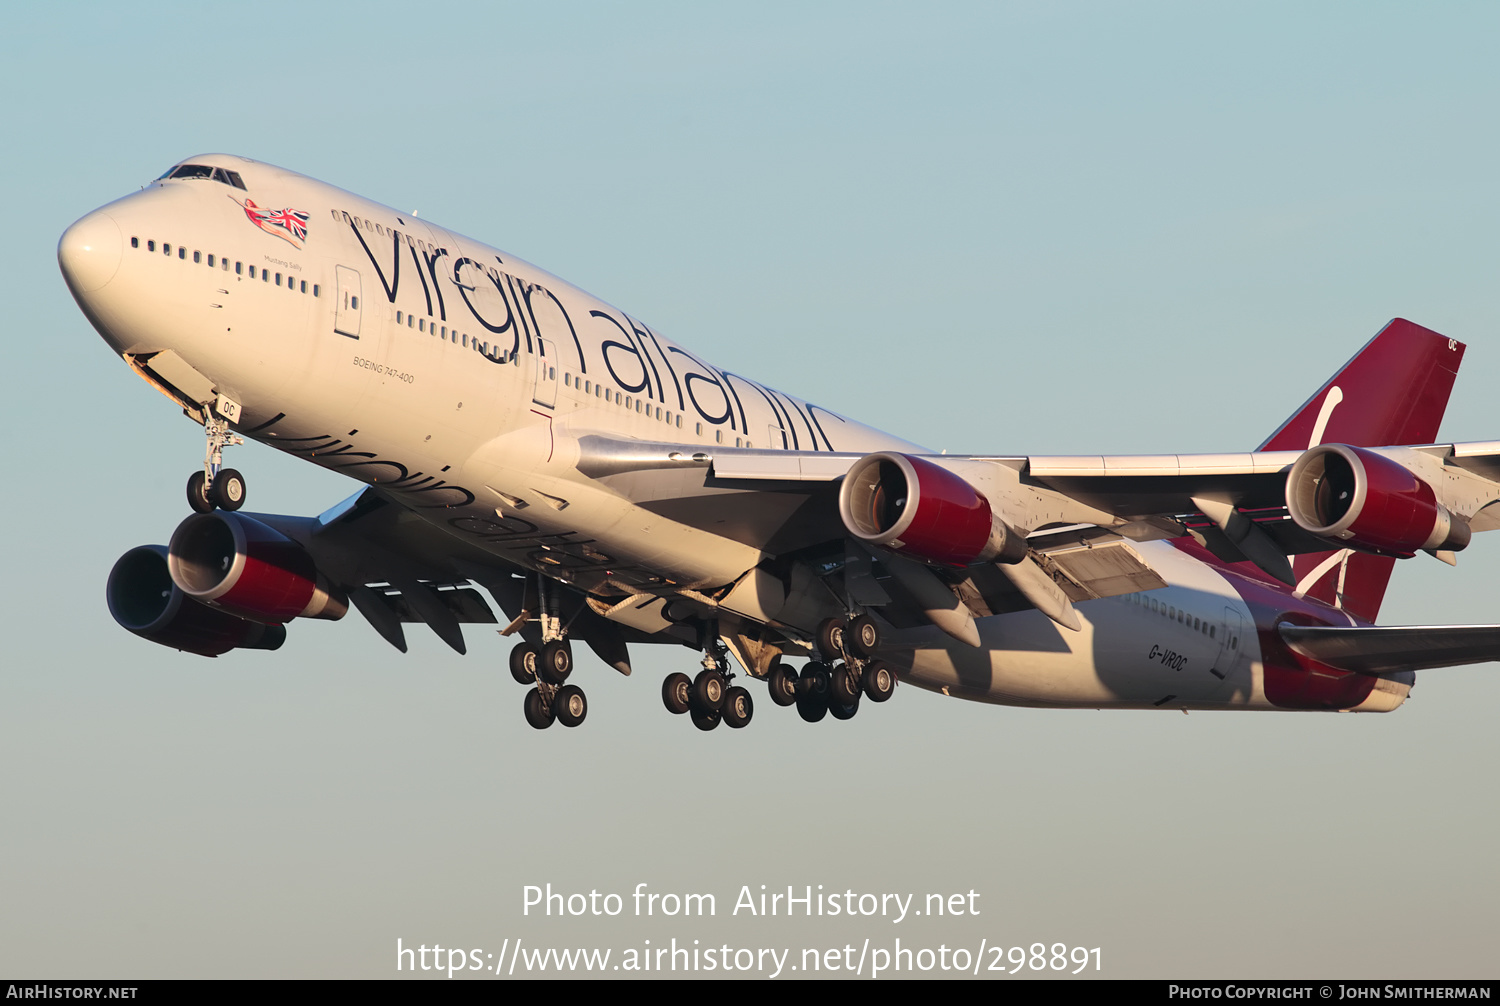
(548, 666)
(847, 671)
(709, 699)
(215, 485)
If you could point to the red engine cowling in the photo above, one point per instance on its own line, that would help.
(910, 505)
(237, 563)
(1367, 501)
(143, 599)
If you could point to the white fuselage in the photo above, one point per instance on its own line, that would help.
(461, 380)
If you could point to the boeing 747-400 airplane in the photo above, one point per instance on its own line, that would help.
(604, 484)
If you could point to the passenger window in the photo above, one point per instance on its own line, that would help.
(354, 303)
(719, 436)
(303, 286)
(197, 258)
(421, 324)
(278, 279)
(135, 242)
(400, 318)
(410, 320)
(252, 272)
(210, 259)
(239, 268)
(151, 246)
(166, 249)
(181, 252)
(265, 275)
(316, 290)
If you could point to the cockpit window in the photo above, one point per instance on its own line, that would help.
(206, 171)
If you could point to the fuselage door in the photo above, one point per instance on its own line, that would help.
(546, 373)
(346, 316)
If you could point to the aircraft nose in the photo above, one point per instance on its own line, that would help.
(89, 252)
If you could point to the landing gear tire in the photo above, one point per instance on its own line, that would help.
(843, 710)
(879, 681)
(197, 493)
(813, 680)
(843, 686)
(738, 707)
(523, 660)
(677, 693)
(703, 719)
(538, 711)
(708, 692)
(556, 662)
(570, 706)
(862, 636)
(781, 682)
(812, 708)
(830, 638)
(228, 490)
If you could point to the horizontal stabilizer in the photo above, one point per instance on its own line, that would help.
(1388, 649)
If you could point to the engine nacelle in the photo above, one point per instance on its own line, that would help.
(912, 506)
(237, 563)
(143, 599)
(1367, 501)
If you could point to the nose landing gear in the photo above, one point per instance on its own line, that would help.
(216, 486)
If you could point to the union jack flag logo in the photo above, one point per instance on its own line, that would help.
(288, 224)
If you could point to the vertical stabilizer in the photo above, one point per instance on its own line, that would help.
(1394, 391)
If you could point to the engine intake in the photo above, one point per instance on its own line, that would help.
(1368, 501)
(235, 562)
(143, 599)
(912, 506)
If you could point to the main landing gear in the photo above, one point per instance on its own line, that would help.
(548, 666)
(847, 672)
(216, 486)
(709, 699)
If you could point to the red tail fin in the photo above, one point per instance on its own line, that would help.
(1394, 391)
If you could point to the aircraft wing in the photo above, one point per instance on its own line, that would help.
(1391, 649)
(400, 569)
(1073, 511)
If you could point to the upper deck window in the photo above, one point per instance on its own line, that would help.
(206, 171)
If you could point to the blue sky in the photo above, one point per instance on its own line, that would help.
(1009, 228)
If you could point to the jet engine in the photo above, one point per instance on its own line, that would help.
(1367, 501)
(912, 506)
(143, 599)
(236, 563)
